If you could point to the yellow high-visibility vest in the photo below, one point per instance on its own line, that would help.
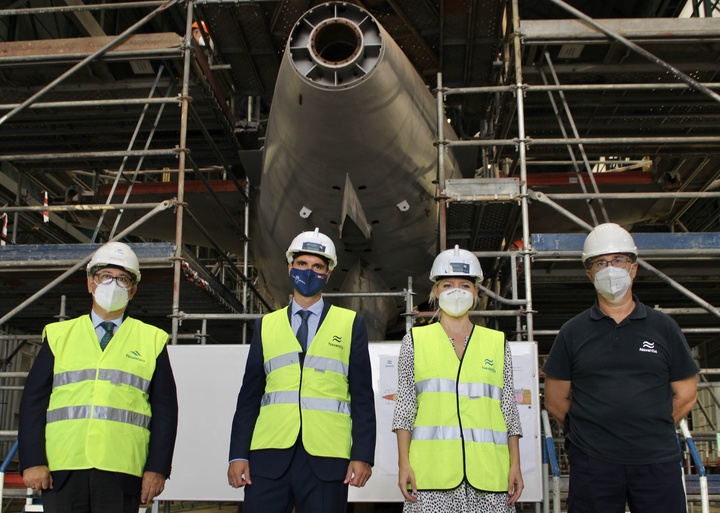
(99, 412)
(316, 398)
(459, 429)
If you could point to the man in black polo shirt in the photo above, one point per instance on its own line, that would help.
(620, 376)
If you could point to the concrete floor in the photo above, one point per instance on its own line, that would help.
(201, 507)
(232, 507)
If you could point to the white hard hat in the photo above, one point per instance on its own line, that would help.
(457, 263)
(314, 243)
(115, 254)
(606, 239)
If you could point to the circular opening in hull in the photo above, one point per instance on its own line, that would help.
(336, 42)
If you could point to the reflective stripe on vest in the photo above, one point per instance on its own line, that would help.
(307, 403)
(284, 360)
(459, 430)
(453, 433)
(99, 414)
(472, 390)
(114, 376)
(318, 363)
(315, 397)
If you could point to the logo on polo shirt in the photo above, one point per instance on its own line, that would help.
(648, 347)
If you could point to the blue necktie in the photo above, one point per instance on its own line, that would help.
(108, 327)
(302, 333)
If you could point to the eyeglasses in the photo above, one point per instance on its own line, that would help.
(620, 261)
(106, 279)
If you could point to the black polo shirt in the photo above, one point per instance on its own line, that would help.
(621, 409)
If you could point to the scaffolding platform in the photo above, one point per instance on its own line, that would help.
(54, 256)
(26, 269)
(692, 486)
(647, 243)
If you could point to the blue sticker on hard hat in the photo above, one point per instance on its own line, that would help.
(313, 246)
(460, 267)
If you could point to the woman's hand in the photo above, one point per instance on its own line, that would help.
(515, 484)
(406, 477)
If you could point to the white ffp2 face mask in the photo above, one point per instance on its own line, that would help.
(613, 282)
(111, 297)
(456, 302)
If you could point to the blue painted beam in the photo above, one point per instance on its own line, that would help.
(644, 241)
(60, 254)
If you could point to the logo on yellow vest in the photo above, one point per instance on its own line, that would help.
(489, 365)
(336, 342)
(135, 355)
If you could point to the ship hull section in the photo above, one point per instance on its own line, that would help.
(378, 131)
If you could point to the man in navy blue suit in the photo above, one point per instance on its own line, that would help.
(304, 427)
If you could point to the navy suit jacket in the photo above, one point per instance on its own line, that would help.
(34, 405)
(272, 463)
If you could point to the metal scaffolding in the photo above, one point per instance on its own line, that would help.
(131, 47)
(176, 117)
(501, 190)
(560, 249)
(57, 267)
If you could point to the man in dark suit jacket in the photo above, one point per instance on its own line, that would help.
(98, 416)
(304, 427)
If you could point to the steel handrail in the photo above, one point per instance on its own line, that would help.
(550, 447)
(704, 495)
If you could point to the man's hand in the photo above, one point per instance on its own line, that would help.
(239, 473)
(153, 483)
(358, 473)
(38, 477)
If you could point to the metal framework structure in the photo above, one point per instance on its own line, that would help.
(58, 268)
(538, 41)
(138, 50)
(610, 115)
(552, 252)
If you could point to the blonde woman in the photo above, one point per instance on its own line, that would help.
(456, 419)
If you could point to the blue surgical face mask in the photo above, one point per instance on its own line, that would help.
(307, 282)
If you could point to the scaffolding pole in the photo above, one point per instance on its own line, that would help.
(112, 44)
(639, 50)
(522, 157)
(177, 264)
(159, 208)
(674, 284)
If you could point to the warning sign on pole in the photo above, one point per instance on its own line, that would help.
(46, 213)
(3, 234)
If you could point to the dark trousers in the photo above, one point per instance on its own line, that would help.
(600, 487)
(90, 491)
(298, 487)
